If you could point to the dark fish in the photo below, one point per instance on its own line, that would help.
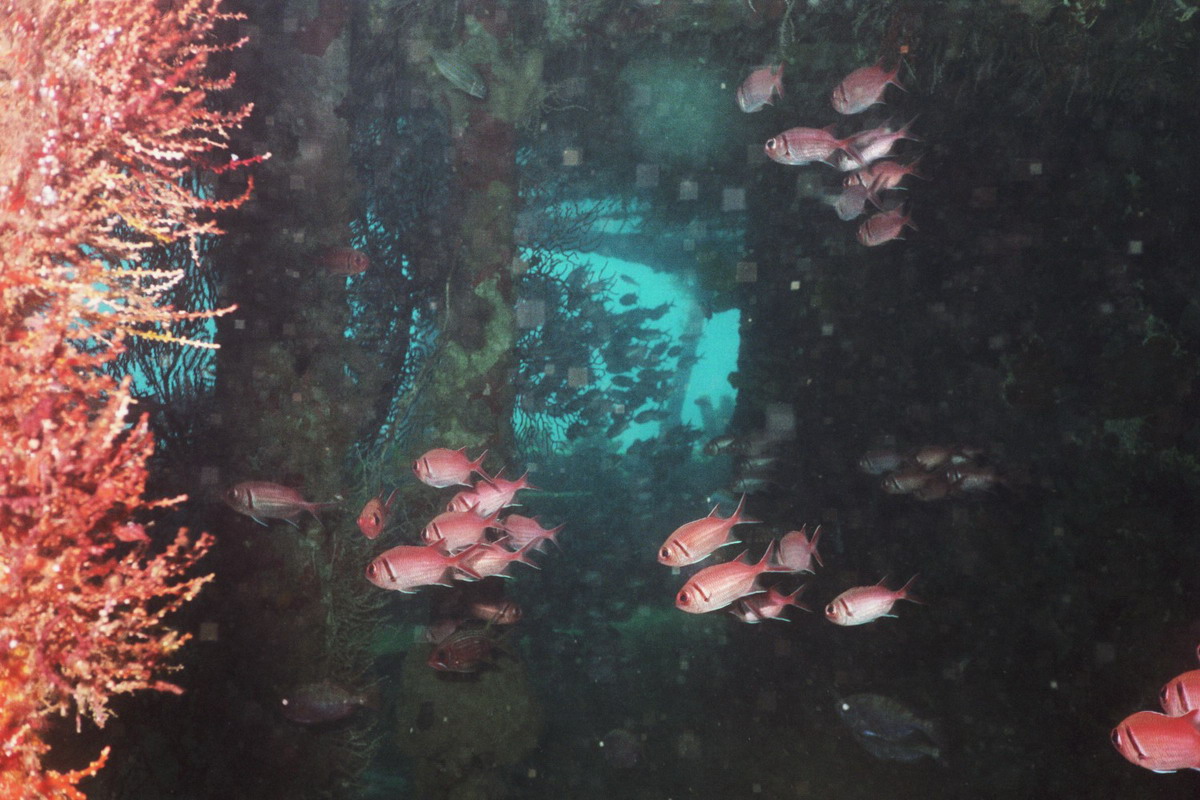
(319, 703)
(888, 729)
(456, 69)
(877, 462)
(261, 500)
(465, 651)
(628, 299)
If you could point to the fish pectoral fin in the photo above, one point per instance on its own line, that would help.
(259, 521)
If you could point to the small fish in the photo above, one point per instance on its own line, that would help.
(406, 568)
(884, 227)
(1181, 694)
(442, 467)
(866, 147)
(451, 531)
(628, 299)
(864, 604)
(799, 146)
(523, 530)
(497, 612)
(488, 497)
(1158, 742)
(261, 500)
(320, 703)
(877, 462)
(456, 69)
(974, 478)
(771, 605)
(797, 552)
(851, 203)
(464, 651)
(882, 175)
(343, 261)
(905, 481)
(375, 515)
(759, 89)
(862, 89)
(933, 456)
(888, 729)
(491, 558)
(715, 587)
(697, 540)
(752, 484)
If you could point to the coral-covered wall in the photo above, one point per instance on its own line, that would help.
(104, 116)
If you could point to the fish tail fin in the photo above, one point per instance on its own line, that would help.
(738, 518)
(904, 594)
(525, 484)
(455, 562)
(812, 546)
(522, 555)
(912, 169)
(906, 130)
(552, 535)
(767, 562)
(793, 598)
(477, 465)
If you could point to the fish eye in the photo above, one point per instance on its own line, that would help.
(665, 552)
(685, 598)
(1116, 737)
(371, 570)
(829, 612)
(771, 143)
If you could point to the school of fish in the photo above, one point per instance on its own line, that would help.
(736, 583)
(865, 155)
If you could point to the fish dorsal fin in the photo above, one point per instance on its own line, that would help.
(741, 558)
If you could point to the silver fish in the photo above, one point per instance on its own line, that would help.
(889, 729)
(456, 69)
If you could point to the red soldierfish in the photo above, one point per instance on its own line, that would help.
(464, 651)
(864, 604)
(697, 540)
(522, 530)
(867, 147)
(406, 568)
(863, 88)
(797, 552)
(882, 175)
(799, 146)
(442, 467)
(344, 261)
(261, 500)
(717, 586)
(489, 497)
(759, 607)
(492, 558)
(759, 89)
(1158, 742)
(884, 227)
(375, 515)
(454, 530)
(1181, 694)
